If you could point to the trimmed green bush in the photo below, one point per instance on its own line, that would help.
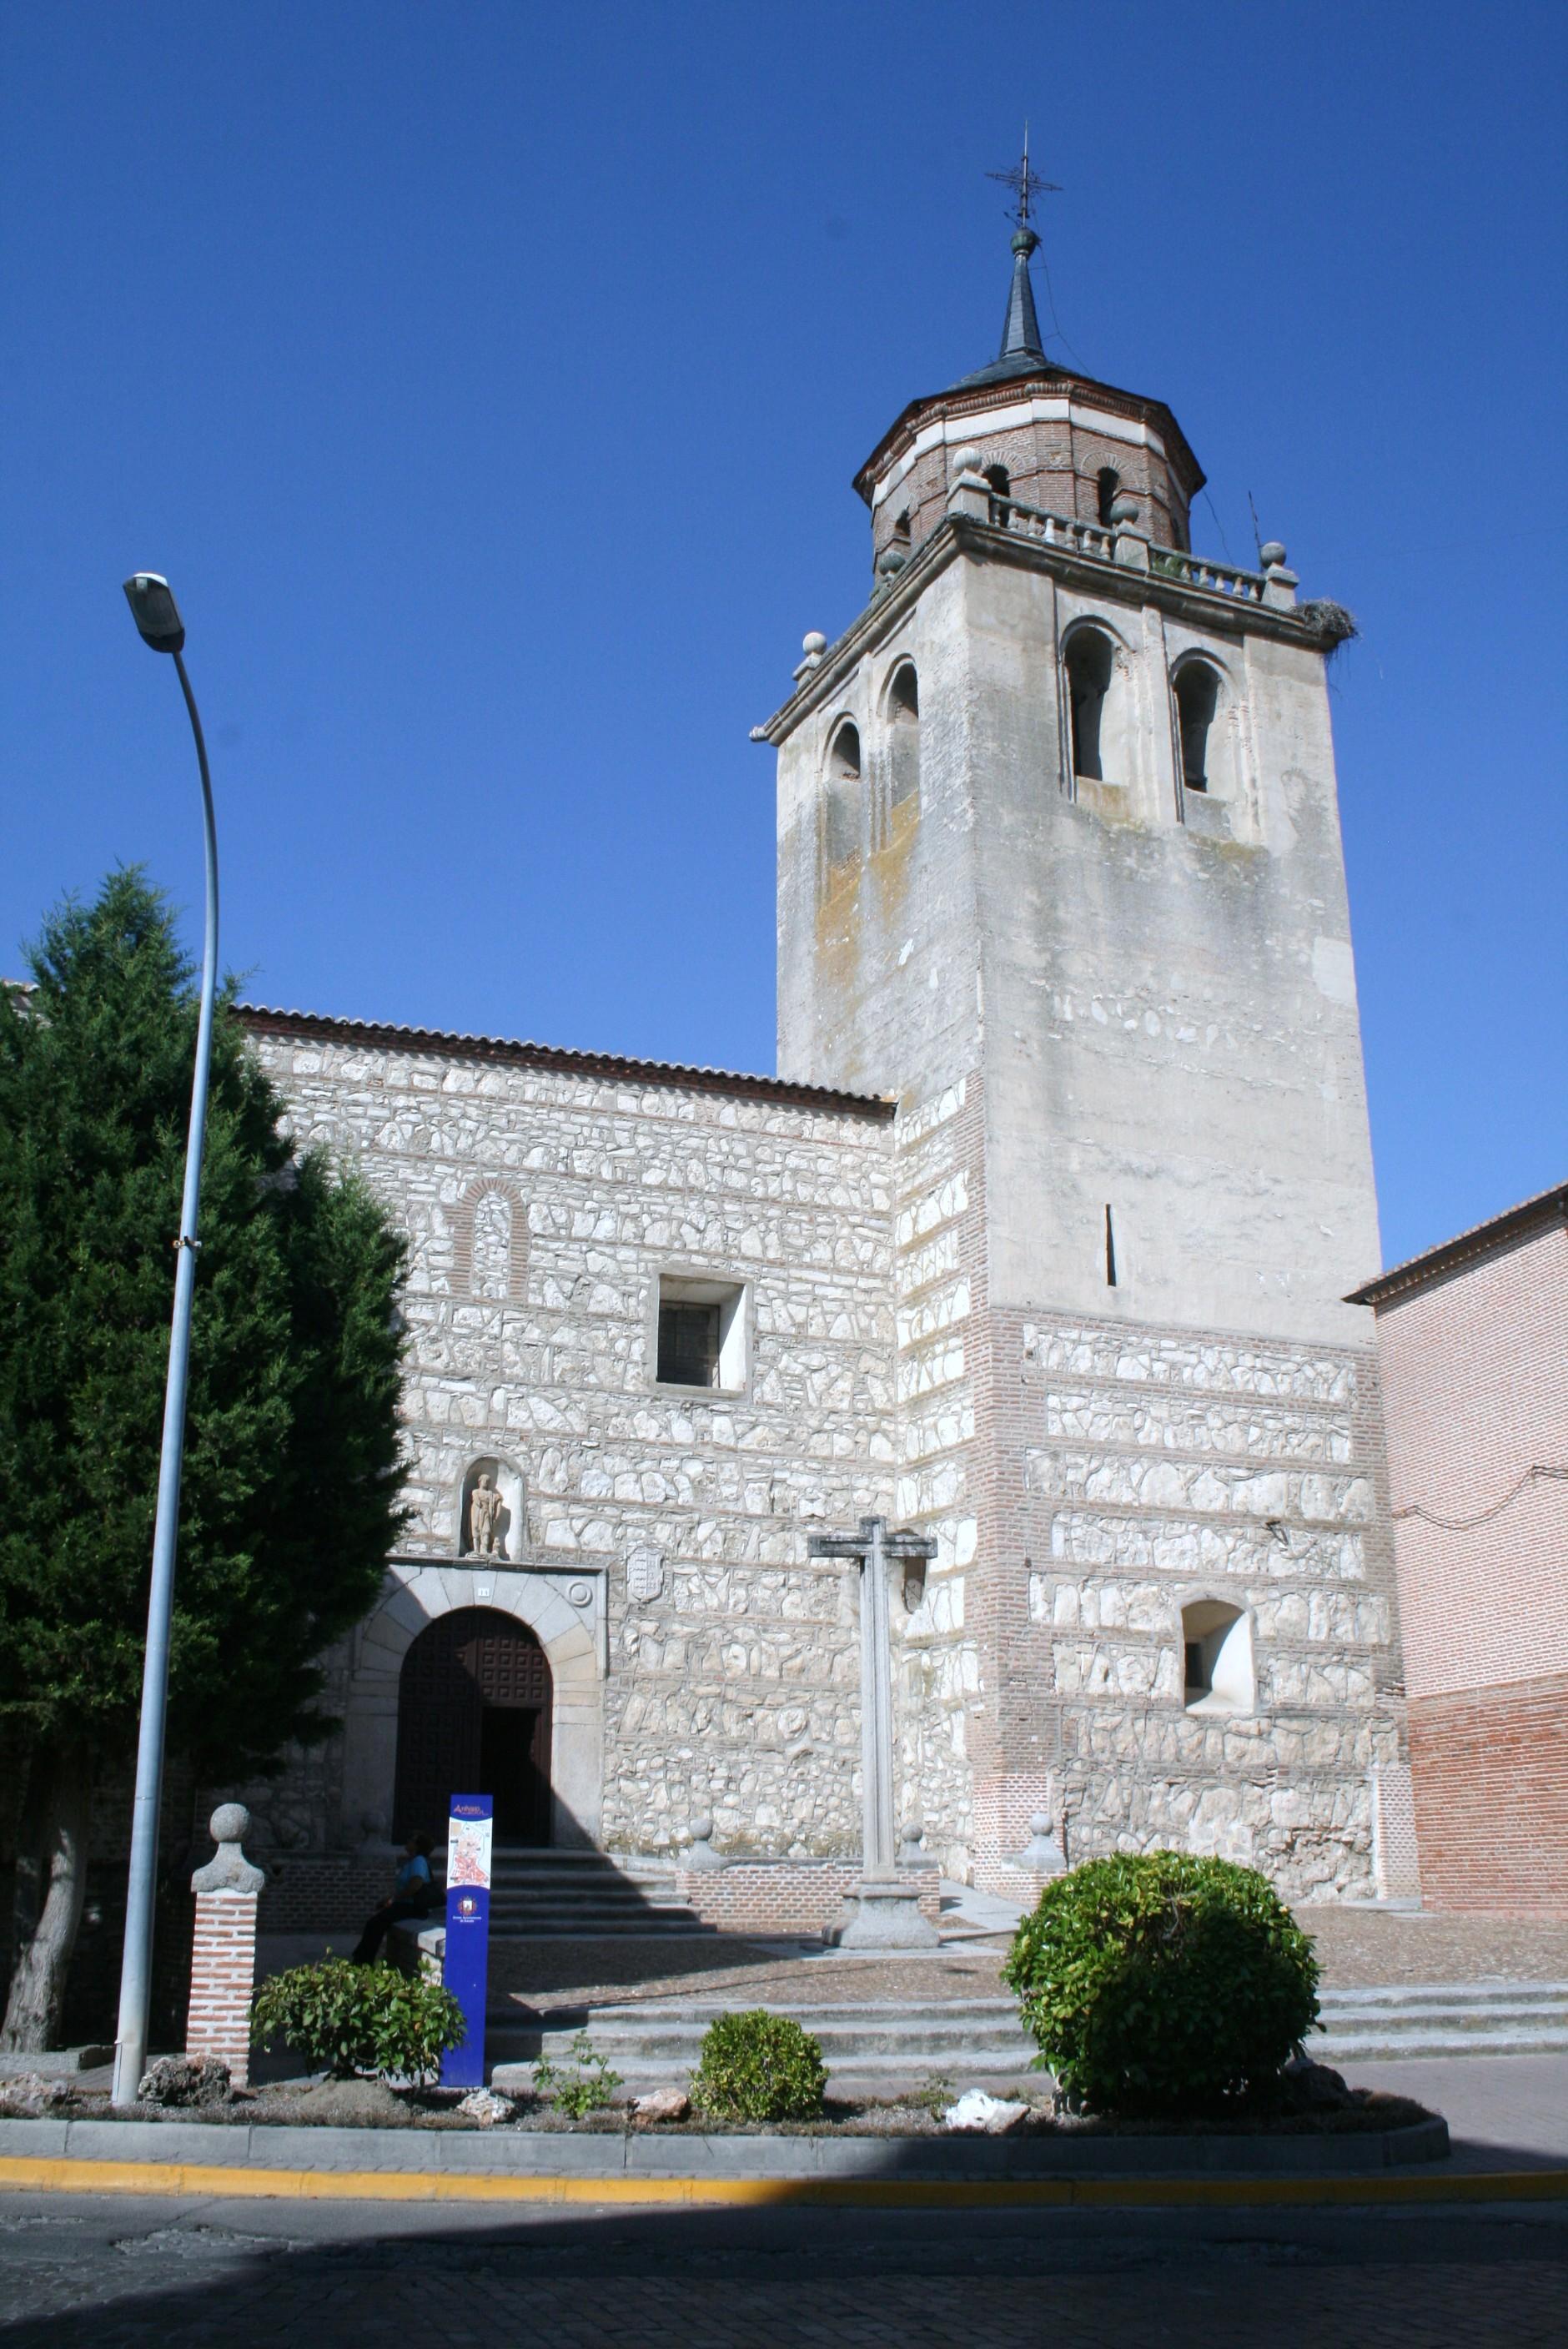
(1160, 1983)
(757, 2066)
(351, 2020)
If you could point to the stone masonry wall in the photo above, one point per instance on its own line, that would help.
(733, 1686)
(939, 1260)
(1159, 1467)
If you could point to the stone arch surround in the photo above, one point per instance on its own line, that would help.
(481, 1188)
(571, 1631)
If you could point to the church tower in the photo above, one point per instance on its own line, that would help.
(1059, 867)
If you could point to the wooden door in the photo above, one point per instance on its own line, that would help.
(474, 1718)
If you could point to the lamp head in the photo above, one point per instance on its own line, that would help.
(155, 611)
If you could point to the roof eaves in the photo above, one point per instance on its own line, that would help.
(1545, 1208)
(264, 1019)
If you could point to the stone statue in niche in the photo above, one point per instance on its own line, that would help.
(484, 1520)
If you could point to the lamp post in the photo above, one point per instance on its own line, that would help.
(157, 617)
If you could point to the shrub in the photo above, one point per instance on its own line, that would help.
(347, 2019)
(757, 2066)
(587, 2090)
(1157, 1982)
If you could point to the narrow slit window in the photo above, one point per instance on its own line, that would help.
(1107, 489)
(1110, 1251)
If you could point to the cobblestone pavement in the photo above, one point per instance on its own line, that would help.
(127, 2275)
(1354, 1947)
(1369, 1946)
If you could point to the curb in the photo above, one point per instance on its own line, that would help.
(624, 2158)
(63, 2176)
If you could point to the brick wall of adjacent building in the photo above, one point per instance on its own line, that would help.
(1474, 1351)
(1491, 1769)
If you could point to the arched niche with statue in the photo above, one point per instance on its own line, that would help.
(490, 1519)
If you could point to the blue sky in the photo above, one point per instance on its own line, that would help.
(490, 378)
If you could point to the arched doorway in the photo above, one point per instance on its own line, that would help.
(473, 1717)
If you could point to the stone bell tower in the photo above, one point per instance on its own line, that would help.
(1059, 866)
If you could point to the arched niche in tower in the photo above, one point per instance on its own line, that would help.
(1001, 485)
(1097, 691)
(1217, 1658)
(842, 795)
(902, 711)
(1207, 728)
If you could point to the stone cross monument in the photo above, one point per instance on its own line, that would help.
(884, 1912)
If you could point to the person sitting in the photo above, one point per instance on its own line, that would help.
(413, 1895)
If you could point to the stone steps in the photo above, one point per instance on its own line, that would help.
(878, 2044)
(543, 1894)
(1442, 2019)
(882, 2042)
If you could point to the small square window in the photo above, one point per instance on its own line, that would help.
(701, 1338)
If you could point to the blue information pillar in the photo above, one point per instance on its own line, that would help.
(466, 1969)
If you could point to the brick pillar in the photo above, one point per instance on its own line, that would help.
(223, 1953)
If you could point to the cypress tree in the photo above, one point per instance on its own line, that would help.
(293, 1460)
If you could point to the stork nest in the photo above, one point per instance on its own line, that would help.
(1330, 623)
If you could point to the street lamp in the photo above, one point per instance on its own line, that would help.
(157, 616)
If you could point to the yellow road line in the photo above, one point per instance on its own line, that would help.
(60, 2175)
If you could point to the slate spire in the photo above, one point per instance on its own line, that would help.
(1021, 333)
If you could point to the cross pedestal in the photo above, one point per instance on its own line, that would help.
(884, 1910)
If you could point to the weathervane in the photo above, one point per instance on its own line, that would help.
(1025, 184)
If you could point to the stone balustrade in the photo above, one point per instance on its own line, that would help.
(1197, 570)
(1102, 544)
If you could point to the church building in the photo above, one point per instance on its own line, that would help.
(1037, 1244)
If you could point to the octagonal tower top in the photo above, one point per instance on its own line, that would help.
(1048, 437)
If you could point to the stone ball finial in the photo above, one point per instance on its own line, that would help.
(966, 459)
(700, 1852)
(1272, 555)
(1041, 1824)
(1124, 510)
(814, 644)
(891, 561)
(228, 1870)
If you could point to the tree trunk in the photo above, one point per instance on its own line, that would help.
(60, 1802)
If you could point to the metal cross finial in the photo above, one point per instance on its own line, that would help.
(1025, 185)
